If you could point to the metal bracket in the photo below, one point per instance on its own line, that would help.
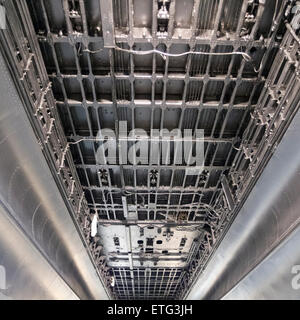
(107, 18)
(227, 193)
(29, 61)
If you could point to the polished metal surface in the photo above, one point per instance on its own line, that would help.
(32, 201)
(27, 274)
(275, 278)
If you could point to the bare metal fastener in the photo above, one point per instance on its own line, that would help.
(29, 61)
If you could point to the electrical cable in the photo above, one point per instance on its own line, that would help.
(146, 52)
(92, 51)
(245, 55)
